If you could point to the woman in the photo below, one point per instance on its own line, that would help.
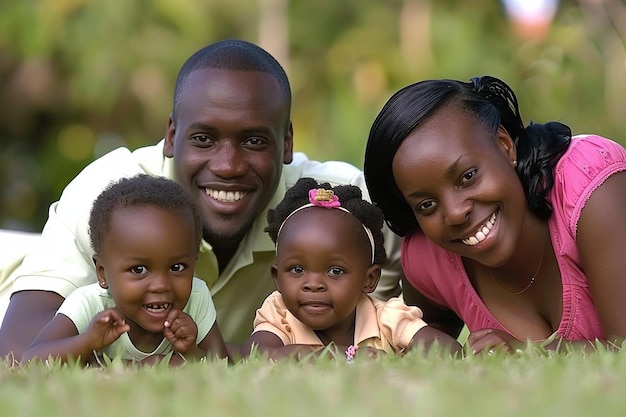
(515, 231)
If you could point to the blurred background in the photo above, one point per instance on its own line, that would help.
(81, 77)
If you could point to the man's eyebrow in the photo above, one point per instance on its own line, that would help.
(200, 126)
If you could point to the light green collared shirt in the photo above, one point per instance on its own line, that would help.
(61, 260)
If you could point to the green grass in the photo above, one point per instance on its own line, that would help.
(531, 383)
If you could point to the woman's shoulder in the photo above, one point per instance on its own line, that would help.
(587, 163)
(587, 154)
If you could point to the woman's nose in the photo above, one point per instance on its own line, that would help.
(456, 210)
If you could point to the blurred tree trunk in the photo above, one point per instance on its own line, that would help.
(606, 20)
(415, 40)
(273, 29)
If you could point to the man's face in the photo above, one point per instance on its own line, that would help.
(229, 141)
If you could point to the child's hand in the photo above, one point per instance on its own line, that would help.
(486, 341)
(181, 331)
(105, 328)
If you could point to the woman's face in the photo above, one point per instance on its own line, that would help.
(459, 179)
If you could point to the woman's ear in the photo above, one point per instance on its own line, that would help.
(371, 278)
(506, 144)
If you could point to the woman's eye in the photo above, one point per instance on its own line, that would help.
(139, 269)
(468, 176)
(426, 205)
(177, 267)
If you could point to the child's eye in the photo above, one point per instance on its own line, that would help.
(177, 267)
(139, 269)
(297, 270)
(335, 271)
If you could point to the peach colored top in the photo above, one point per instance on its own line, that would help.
(387, 326)
(440, 275)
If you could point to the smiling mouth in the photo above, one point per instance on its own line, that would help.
(157, 308)
(225, 196)
(482, 233)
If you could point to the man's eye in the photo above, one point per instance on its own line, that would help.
(256, 141)
(177, 267)
(202, 139)
(139, 269)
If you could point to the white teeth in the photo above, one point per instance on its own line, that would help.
(157, 308)
(482, 233)
(225, 196)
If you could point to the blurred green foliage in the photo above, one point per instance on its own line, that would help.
(80, 77)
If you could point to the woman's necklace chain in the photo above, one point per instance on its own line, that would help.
(532, 279)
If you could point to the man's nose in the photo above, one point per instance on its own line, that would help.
(228, 160)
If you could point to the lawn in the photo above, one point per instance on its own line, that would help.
(530, 383)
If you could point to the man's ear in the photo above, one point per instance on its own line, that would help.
(170, 132)
(288, 145)
(100, 273)
(371, 279)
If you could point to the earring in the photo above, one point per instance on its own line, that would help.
(515, 163)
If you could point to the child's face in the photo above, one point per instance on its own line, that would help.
(147, 262)
(323, 267)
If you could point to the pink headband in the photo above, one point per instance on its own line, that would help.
(321, 197)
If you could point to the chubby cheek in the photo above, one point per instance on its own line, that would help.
(126, 300)
(289, 290)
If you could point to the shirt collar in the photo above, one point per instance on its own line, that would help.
(366, 325)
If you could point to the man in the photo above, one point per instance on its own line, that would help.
(229, 142)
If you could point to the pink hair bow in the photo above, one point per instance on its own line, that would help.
(323, 198)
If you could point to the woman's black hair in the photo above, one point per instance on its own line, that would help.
(350, 197)
(539, 146)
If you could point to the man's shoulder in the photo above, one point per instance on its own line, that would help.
(150, 158)
(334, 172)
(118, 163)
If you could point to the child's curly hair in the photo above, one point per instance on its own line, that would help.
(350, 197)
(139, 190)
